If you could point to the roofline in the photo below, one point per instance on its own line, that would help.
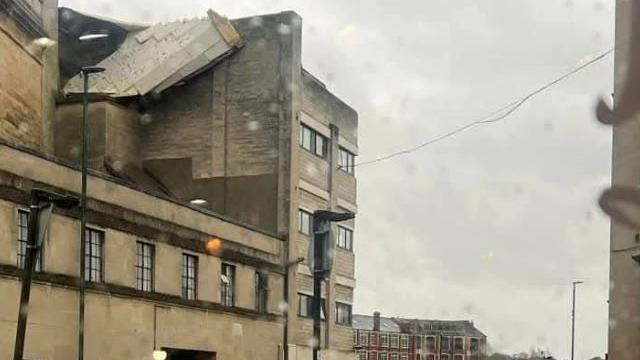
(324, 86)
(92, 172)
(125, 25)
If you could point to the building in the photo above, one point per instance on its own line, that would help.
(221, 135)
(624, 290)
(379, 338)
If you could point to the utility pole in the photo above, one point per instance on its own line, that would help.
(573, 317)
(322, 250)
(42, 204)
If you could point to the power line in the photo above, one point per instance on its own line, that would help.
(489, 118)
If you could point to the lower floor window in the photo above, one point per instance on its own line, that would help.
(305, 306)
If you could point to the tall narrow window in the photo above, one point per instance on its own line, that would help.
(262, 291)
(474, 345)
(445, 343)
(93, 255)
(227, 283)
(23, 233)
(458, 344)
(346, 161)
(404, 341)
(345, 238)
(384, 340)
(189, 277)
(304, 222)
(343, 314)
(144, 266)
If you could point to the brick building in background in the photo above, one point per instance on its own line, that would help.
(198, 128)
(379, 338)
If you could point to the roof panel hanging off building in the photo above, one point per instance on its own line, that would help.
(155, 58)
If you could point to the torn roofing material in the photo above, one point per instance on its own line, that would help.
(152, 59)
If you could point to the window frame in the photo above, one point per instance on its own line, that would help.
(301, 214)
(346, 161)
(22, 238)
(90, 256)
(148, 251)
(309, 306)
(363, 335)
(444, 356)
(314, 139)
(372, 355)
(227, 289)
(477, 345)
(448, 347)
(455, 348)
(458, 357)
(394, 338)
(195, 263)
(404, 341)
(382, 355)
(344, 307)
(384, 340)
(262, 291)
(345, 242)
(430, 349)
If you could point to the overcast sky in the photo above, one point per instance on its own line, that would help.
(493, 224)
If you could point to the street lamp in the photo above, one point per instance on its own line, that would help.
(159, 354)
(573, 316)
(42, 204)
(85, 71)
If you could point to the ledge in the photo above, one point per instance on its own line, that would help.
(73, 282)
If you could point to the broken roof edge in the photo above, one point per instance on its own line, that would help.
(226, 30)
(126, 25)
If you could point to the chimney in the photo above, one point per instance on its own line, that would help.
(376, 321)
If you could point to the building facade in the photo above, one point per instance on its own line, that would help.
(379, 338)
(624, 290)
(223, 136)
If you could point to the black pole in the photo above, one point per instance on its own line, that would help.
(83, 213)
(573, 320)
(27, 274)
(317, 289)
(285, 310)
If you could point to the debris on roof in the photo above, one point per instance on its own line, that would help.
(154, 58)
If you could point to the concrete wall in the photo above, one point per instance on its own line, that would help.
(624, 297)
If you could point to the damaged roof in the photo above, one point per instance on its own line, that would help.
(445, 327)
(154, 58)
(365, 322)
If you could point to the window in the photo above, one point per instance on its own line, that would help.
(345, 238)
(262, 291)
(458, 357)
(384, 340)
(305, 303)
(382, 356)
(394, 356)
(404, 341)
(305, 221)
(404, 357)
(430, 357)
(362, 355)
(444, 356)
(474, 345)
(23, 233)
(363, 339)
(343, 314)
(189, 277)
(144, 266)
(445, 343)
(312, 141)
(93, 255)
(418, 341)
(430, 343)
(458, 344)
(346, 161)
(394, 341)
(373, 339)
(227, 283)
(373, 355)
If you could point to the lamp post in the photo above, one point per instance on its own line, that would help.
(85, 71)
(573, 316)
(321, 252)
(42, 204)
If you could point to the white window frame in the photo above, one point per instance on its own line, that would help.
(448, 342)
(443, 356)
(315, 143)
(454, 343)
(404, 341)
(394, 341)
(345, 238)
(309, 228)
(384, 336)
(346, 160)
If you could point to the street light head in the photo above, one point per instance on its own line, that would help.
(159, 355)
(89, 37)
(92, 69)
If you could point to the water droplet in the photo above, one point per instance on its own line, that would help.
(256, 21)
(284, 29)
(253, 125)
(146, 119)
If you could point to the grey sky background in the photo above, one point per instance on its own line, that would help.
(491, 225)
